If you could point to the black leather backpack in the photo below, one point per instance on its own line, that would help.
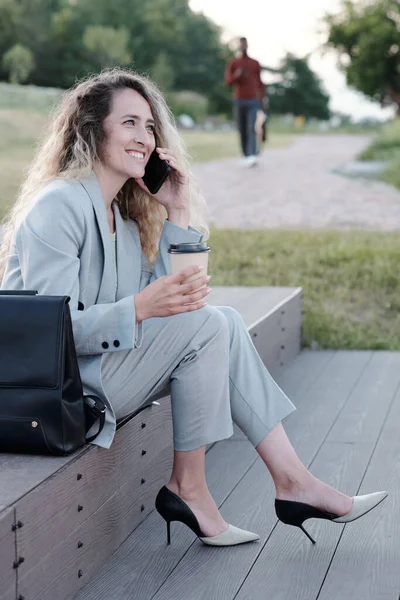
(42, 406)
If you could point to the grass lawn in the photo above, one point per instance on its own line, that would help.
(19, 131)
(387, 147)
(350, 280)
(212, 145)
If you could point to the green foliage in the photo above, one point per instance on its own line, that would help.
(9, 15)
(300, 91)
(388, 142)
(107, 45)
(189, 103)
(18, 61)
(386, 147)
(366, 36)
(162, 72)
(71, 38)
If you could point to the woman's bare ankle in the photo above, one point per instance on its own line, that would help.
(187, 489)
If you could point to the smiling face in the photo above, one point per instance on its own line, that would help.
(130, 136)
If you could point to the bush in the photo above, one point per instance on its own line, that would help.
(18, 61)
(189, 103)
(385, 144)
(386, 147)
(108, 45)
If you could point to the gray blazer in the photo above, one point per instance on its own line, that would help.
(63, 247)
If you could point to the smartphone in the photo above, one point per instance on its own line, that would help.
(156, 172)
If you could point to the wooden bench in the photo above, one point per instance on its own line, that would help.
(62, 517)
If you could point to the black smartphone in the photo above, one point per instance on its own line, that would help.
(156, 172)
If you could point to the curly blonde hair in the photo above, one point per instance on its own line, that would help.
(75, 140)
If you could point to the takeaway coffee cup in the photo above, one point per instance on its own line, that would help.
(185, 255)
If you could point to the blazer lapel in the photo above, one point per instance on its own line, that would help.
(128, 256)
(108, 279)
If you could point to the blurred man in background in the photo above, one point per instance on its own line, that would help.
(244, 75)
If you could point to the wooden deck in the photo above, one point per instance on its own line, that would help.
(346, 429)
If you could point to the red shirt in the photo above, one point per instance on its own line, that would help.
(249, 85)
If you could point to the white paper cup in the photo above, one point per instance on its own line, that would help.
(186, 255)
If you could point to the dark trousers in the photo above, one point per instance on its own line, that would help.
(245, 113)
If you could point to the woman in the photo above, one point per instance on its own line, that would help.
(85, 225)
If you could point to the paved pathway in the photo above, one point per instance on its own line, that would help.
(295, 187)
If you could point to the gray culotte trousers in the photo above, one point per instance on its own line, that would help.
(208, 363)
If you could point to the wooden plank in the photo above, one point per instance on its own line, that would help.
(267, 338)
(74, 560)
(20, 473)
(278, 336)
(367, 408)
(9, 594)
(297, 378)
(200, 570)
(102, 472)
(291, 314)
(366, 564)
(311, 423)
(253, 303)
(8, 575)
(144, 561)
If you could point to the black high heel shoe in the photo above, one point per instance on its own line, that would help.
(173, 508)
(295, 513)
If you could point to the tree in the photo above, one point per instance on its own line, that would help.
(163, 73)
(19, 62)
(300, 91)
(9, 15)
(201, 60)
(108, 45)
(367, 37)
(72, 38)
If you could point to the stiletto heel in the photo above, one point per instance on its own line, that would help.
(169, 533)
(173, 508)
(295, 513)
(307, 534)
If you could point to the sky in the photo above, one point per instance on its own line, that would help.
(273, 27)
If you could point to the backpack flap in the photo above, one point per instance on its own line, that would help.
(31, 329)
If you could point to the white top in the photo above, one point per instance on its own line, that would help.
(114, 251)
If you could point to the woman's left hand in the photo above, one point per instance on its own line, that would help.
(174, 193)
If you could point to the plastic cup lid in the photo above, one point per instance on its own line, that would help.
(188, 248)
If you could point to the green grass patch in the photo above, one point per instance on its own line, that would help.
(19, 131)
(350, 280)
(386, 147)
(214, 145)
(28, 97)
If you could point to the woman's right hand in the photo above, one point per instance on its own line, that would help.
(171, 294)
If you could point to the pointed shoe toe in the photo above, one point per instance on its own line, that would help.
(230, 537)
(361, 506)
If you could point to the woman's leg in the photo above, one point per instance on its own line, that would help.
(188, 481)
(189, 355)
(258, 406)
(291, 478)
